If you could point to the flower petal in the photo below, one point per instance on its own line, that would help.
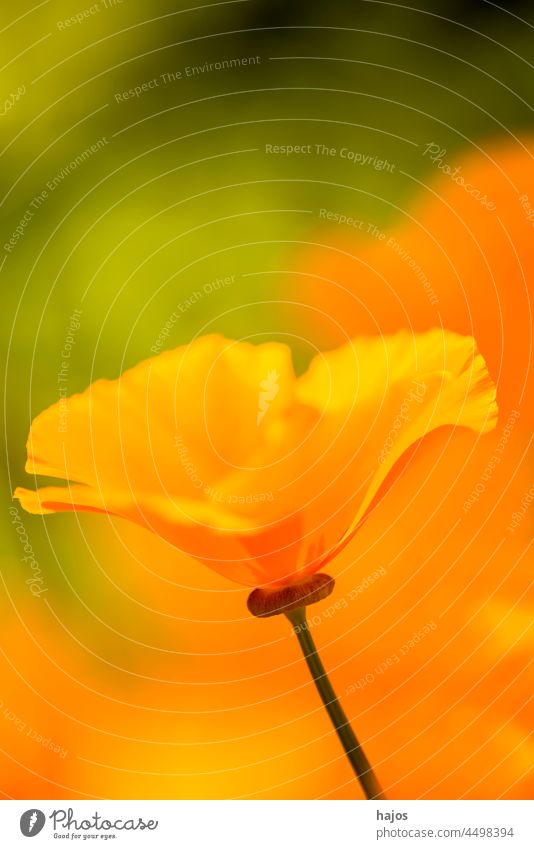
(53, 499)
(217, 448)
(381, 395)
(172, 427)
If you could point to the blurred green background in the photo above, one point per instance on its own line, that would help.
(182, 191)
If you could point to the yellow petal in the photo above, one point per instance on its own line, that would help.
(381, 395)
(160, 445)
(217, 447)
(53, 499)
(172, 427)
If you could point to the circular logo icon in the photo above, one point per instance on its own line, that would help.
(32, 822)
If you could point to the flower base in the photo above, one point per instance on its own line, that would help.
(271, 601)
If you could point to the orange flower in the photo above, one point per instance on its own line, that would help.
(220, 449)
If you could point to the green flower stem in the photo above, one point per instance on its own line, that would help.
(358, 760)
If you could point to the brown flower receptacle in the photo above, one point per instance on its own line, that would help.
(271, 601)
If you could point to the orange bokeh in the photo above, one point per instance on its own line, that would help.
(478, 263)
(202, 701)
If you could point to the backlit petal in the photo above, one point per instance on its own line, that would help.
(219, 449)
(383, 394)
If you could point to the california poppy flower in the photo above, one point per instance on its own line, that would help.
(221, 449)
(178, 445)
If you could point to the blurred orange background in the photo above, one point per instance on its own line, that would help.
(178, 692)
